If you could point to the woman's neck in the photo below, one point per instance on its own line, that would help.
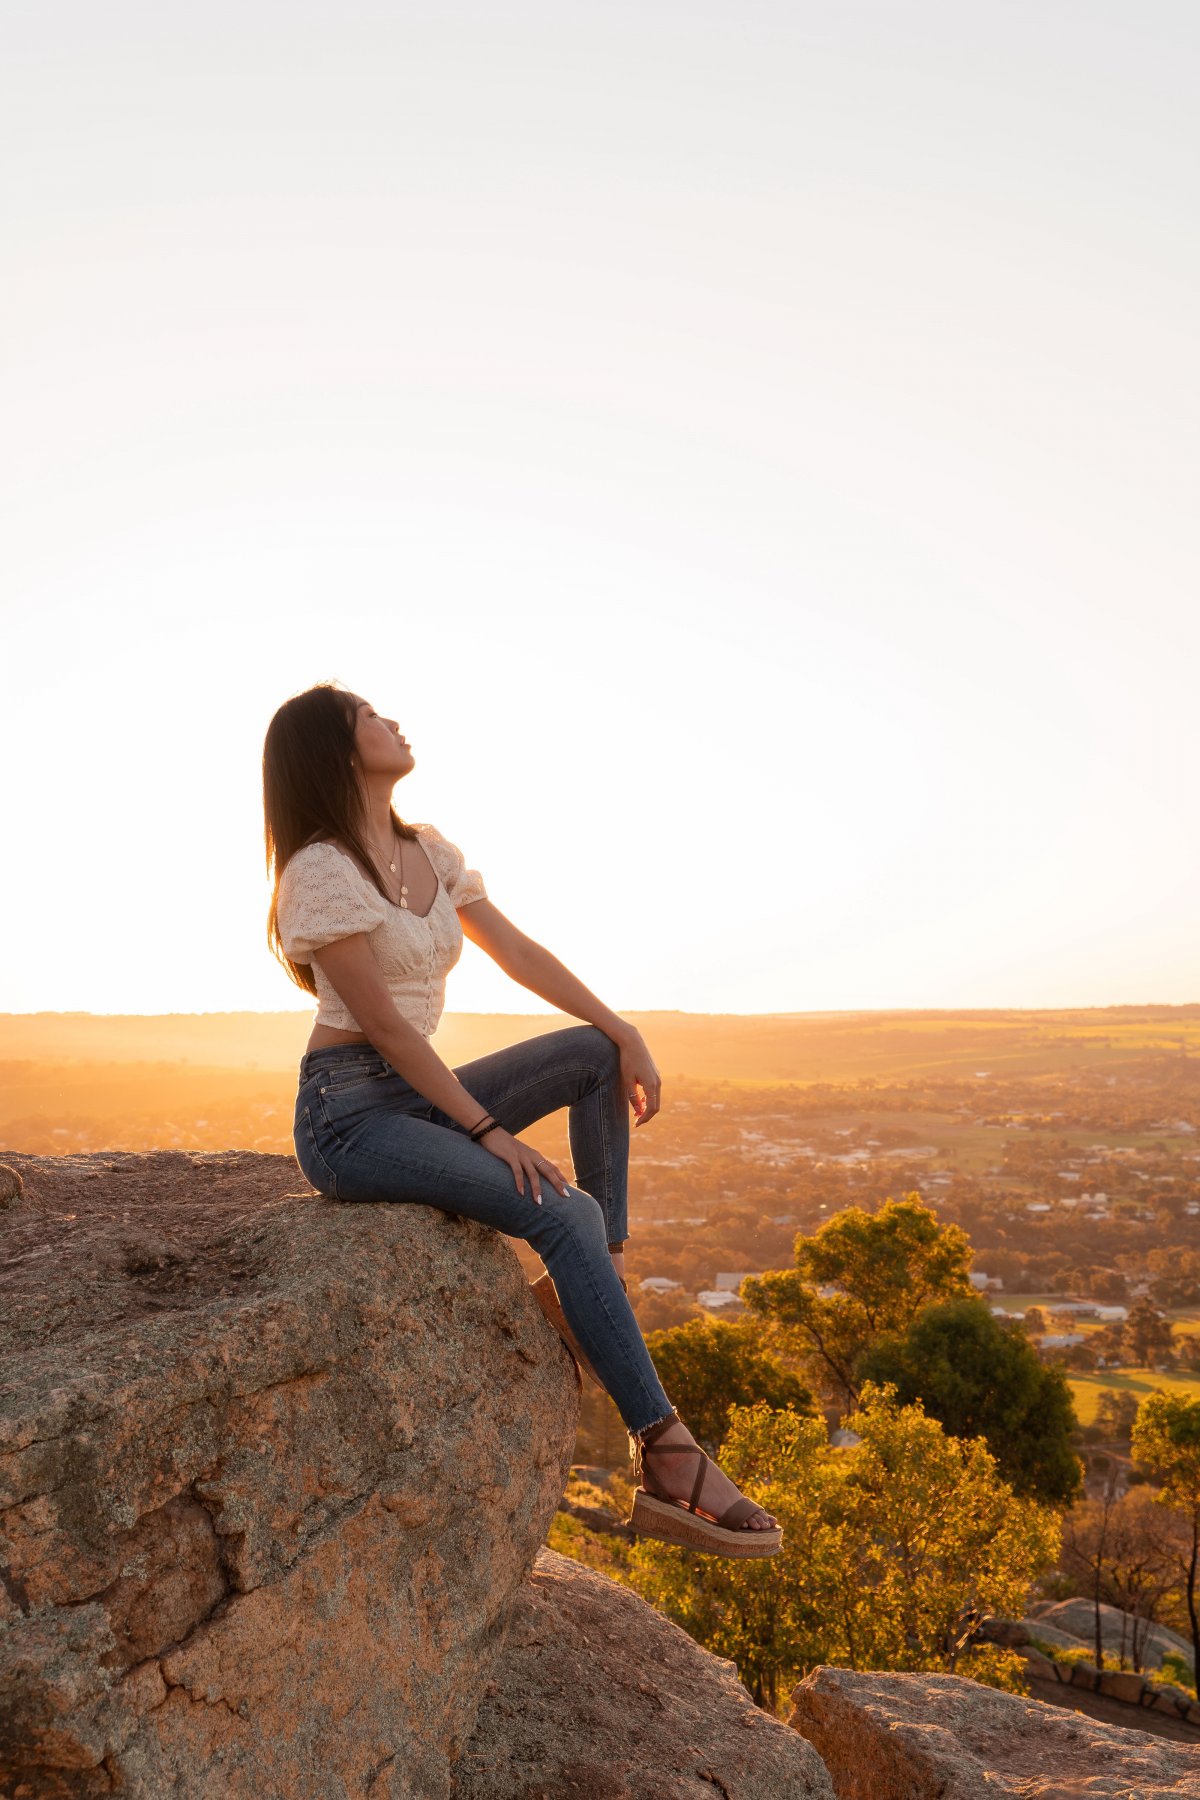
(379, 820)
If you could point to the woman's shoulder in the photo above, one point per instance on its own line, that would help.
(317, 850)
(320, 856)
(429, 833)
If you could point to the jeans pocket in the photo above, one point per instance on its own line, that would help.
(313, 1166)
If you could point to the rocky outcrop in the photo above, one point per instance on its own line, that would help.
(272, 1473)
(598, 1696)
(275, 1479)
(1076, 1619)
(941, 1737)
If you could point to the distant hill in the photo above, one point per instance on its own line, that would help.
(804, 1047)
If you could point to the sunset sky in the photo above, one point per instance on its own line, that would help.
(752, 450)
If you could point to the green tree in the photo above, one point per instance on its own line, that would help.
(707, 1365)
(1166, 1443)
(859, 1277)
(1116, 1411)
(980, 1377)
(941, 1538)
(1147, 1336)
(892, 1548)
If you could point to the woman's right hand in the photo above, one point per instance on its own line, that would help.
(524, 1161)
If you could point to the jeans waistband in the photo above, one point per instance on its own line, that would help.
(337, 1056)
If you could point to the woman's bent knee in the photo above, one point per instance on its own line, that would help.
(575, 1211)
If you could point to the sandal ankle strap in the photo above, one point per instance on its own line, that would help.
(735, 1513)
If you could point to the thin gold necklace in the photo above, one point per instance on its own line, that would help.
(396, 839)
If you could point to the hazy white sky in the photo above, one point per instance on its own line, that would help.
(752, 449)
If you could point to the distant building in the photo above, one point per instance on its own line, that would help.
(658, 1284)
(1061, 1340)
(717, 1298)
(732, 1282)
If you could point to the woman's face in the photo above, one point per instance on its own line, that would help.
(379, 747)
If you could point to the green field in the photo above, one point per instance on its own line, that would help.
(1086, 1389)
(1022, 1302)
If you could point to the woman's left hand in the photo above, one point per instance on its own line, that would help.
(640, 1078)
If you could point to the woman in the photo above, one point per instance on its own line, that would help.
(368, 915)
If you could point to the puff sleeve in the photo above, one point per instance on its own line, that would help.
(322, 897)
(462, 884)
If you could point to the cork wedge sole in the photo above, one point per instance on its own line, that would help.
(683, 1521)
(670, 1521)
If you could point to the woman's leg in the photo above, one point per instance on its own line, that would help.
(363, 1133)
(578, 1067)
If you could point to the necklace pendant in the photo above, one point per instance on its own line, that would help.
(392, 867)
(403, 888)
(403, 902)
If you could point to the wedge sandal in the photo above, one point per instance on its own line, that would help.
(546, 1295)
(683, 1522)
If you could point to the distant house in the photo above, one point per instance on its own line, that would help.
(1038, 1206)
(1061, 1340)
(730, 1281)
(1112, 1315)
(658, 1284)
(985, 1283)
(717, 1298)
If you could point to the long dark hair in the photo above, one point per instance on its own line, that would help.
(310, 791)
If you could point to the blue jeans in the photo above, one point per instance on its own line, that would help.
(364, 1133)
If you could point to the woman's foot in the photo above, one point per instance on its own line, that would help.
(676, 1477)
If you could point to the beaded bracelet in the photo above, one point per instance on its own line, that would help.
(486, 1124)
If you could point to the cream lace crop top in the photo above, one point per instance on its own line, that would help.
(323, 896)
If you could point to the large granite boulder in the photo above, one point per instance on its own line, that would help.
(941, 1737)
(272, 1473)
(1078, 1618)
(598, 1696)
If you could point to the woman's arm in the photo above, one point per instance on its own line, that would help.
(537, 969)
